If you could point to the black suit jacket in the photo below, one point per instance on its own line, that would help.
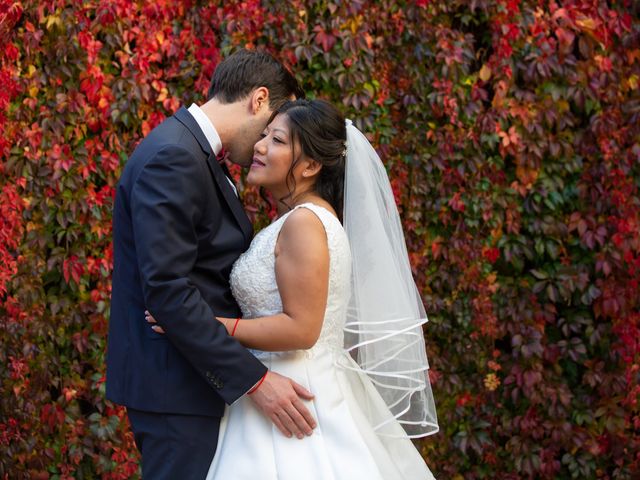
(177, 229)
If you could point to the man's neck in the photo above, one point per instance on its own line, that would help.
(224, 117)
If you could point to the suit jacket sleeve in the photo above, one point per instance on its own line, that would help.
(166, 205)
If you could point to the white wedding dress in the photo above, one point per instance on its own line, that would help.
(344, 445)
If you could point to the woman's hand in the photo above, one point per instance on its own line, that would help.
(149, 318)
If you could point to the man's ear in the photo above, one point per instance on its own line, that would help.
(259, 100)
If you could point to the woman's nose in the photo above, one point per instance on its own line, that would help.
(259, 146)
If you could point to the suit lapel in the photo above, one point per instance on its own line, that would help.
(218, 174)
(188, 121)
(230, 196)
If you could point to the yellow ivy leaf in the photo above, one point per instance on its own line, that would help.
(485, 73)
(633, 81)
(164, 93)
(53, 20)
(563, 105)
(354, 24)
(587, 23)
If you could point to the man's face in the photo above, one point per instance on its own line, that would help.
(240, 149)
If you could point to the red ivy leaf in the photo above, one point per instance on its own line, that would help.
(324, 39)
(72, 269)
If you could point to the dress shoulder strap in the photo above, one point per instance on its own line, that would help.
(328, 219)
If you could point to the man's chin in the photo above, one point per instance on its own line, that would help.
(244, 162)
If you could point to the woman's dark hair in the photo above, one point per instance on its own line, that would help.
(245, 70)
(319, 128)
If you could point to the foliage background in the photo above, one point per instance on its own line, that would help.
(511, 132)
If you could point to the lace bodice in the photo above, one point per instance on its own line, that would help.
(253, 278)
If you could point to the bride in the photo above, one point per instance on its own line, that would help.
(328, 300)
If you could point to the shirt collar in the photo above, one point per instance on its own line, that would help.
(207, 128)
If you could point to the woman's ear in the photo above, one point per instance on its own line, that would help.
(311, 168)
(259, 100)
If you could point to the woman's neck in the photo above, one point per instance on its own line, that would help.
(293, 201)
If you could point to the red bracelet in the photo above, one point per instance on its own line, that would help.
(255, 387)
(235, 325)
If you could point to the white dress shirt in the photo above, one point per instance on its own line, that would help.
(209, 132)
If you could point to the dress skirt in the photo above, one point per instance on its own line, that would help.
(344, 445)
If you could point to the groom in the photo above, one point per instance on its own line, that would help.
(178, 227)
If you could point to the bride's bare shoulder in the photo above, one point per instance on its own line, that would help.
(302, 229)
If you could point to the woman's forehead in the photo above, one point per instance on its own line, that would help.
(279, 123)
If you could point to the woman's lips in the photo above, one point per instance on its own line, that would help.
(256, 163)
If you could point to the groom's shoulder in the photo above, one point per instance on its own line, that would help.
(168, 133)
(168, 140)
(171, 134)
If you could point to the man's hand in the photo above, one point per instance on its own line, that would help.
(280, 399)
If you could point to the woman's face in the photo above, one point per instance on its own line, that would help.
(272, 157)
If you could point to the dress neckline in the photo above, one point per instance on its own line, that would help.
(306, 204)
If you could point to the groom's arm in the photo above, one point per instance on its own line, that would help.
(166, 205)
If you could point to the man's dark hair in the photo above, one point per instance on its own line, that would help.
(245, 70)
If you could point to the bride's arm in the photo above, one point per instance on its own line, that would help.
(302, 276)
